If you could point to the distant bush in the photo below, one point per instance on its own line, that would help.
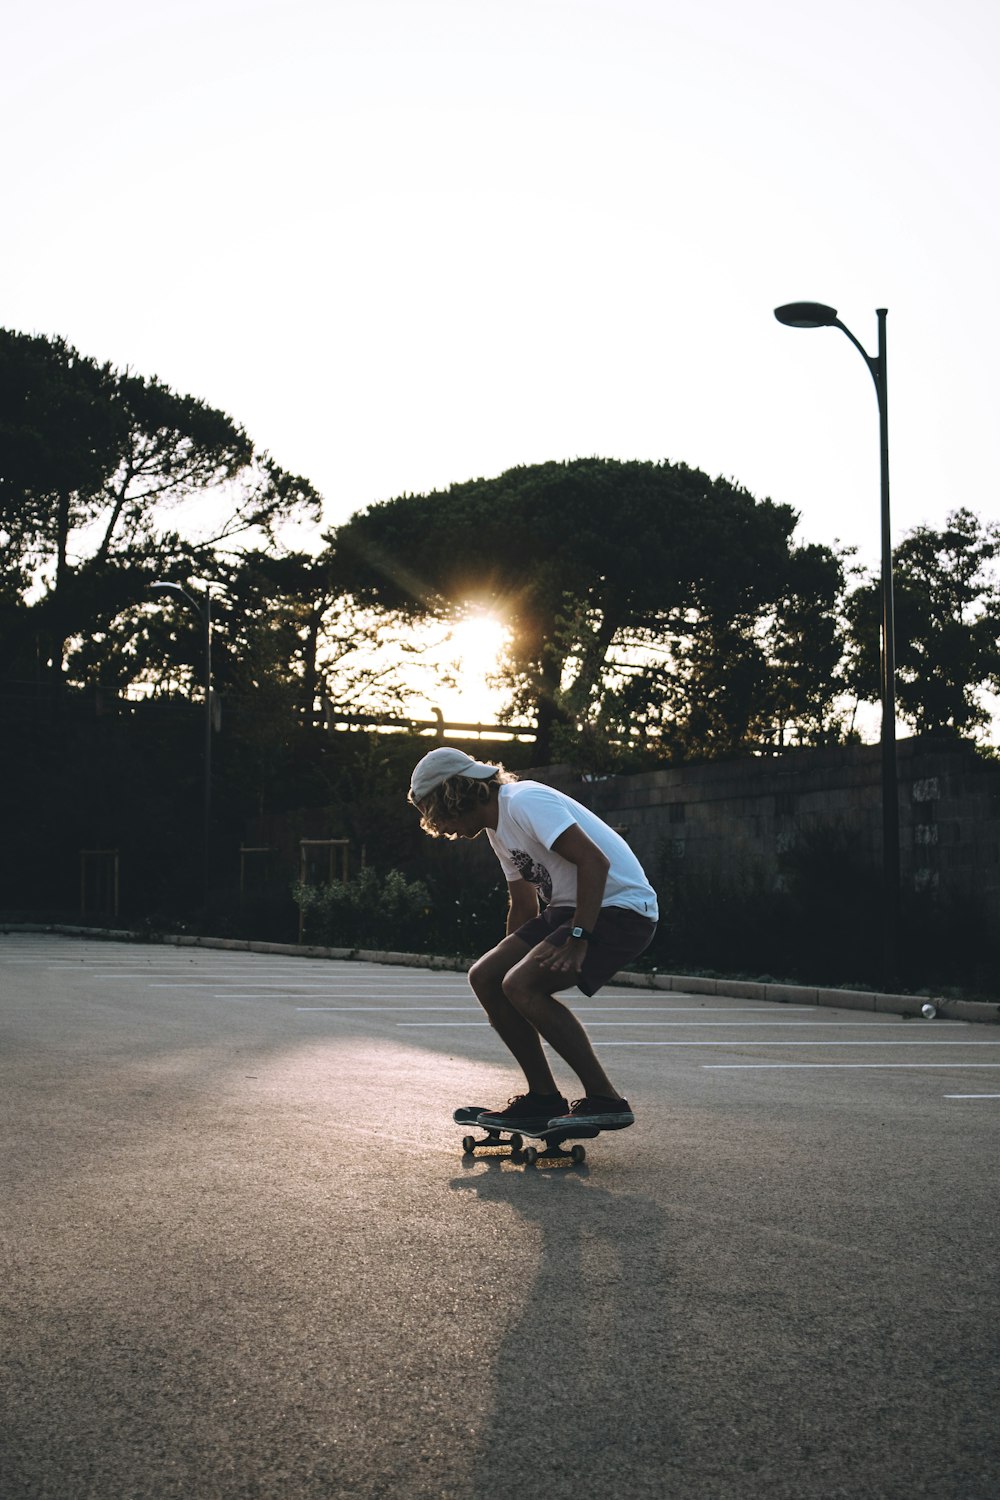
(386, 912)
(455, 914)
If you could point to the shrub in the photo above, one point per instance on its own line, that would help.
(368, 911)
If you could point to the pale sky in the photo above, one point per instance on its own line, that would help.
(410, 242)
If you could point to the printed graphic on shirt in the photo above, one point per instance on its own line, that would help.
(534, 874)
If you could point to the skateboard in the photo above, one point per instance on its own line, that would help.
(512, 1141)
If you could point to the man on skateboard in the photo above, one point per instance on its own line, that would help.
(580, 909)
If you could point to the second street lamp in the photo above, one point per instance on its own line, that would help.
(818, 315)
(204, 613)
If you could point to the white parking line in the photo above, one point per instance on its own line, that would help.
(680, 1025)
(774, 1025)
(970, 1096)
(699, 1010)
(288, 982)
(800, 1067)
(367, 1010)
(732, 1044)
(337, 1009)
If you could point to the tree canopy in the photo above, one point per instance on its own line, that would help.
(946, 594)
(97, 464)
(646, 598)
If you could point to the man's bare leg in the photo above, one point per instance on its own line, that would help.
(528, 989)
(518, 1033)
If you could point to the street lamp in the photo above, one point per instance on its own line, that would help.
(204, 613)
(818, 315)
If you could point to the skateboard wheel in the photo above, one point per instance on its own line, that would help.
(531, 1155)
(468, 1144)
(516, 1142)
(579, 1153)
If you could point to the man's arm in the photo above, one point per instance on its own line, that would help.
(523, 904)
(592, 866)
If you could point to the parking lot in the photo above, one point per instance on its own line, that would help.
(246, 1256)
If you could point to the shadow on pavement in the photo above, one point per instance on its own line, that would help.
(578, 1391)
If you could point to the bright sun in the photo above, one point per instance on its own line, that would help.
(472, 655)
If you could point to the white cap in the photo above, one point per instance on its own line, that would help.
(439, 765)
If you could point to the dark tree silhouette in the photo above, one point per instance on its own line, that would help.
(642, 598)
(947, 608)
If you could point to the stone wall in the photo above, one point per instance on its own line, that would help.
(734, 819)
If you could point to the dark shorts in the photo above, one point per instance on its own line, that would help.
(619, 936)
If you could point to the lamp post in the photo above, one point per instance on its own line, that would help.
(817, 315)
(204, 613)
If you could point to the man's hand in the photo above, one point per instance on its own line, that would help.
(567, 959)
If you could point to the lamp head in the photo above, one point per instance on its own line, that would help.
(176, 592)
(806, 315)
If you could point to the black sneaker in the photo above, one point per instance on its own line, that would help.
(598, 1112)
(527, 1112)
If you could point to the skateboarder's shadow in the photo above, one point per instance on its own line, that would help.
(592, 1275)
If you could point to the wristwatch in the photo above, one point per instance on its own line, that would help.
(581, 932)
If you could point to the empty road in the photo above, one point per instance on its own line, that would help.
(244, 1256)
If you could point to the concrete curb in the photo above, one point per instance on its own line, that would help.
(687, 984)
(794, 994)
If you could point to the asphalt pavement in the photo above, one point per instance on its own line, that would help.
(245, 1257)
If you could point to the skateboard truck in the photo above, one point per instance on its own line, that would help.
(554, 1146)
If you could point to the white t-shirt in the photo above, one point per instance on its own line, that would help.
(532, 817)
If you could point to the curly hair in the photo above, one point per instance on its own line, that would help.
(458, 795)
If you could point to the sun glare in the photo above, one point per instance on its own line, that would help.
(473, 655)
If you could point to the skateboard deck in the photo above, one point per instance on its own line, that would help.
(511, 1142)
